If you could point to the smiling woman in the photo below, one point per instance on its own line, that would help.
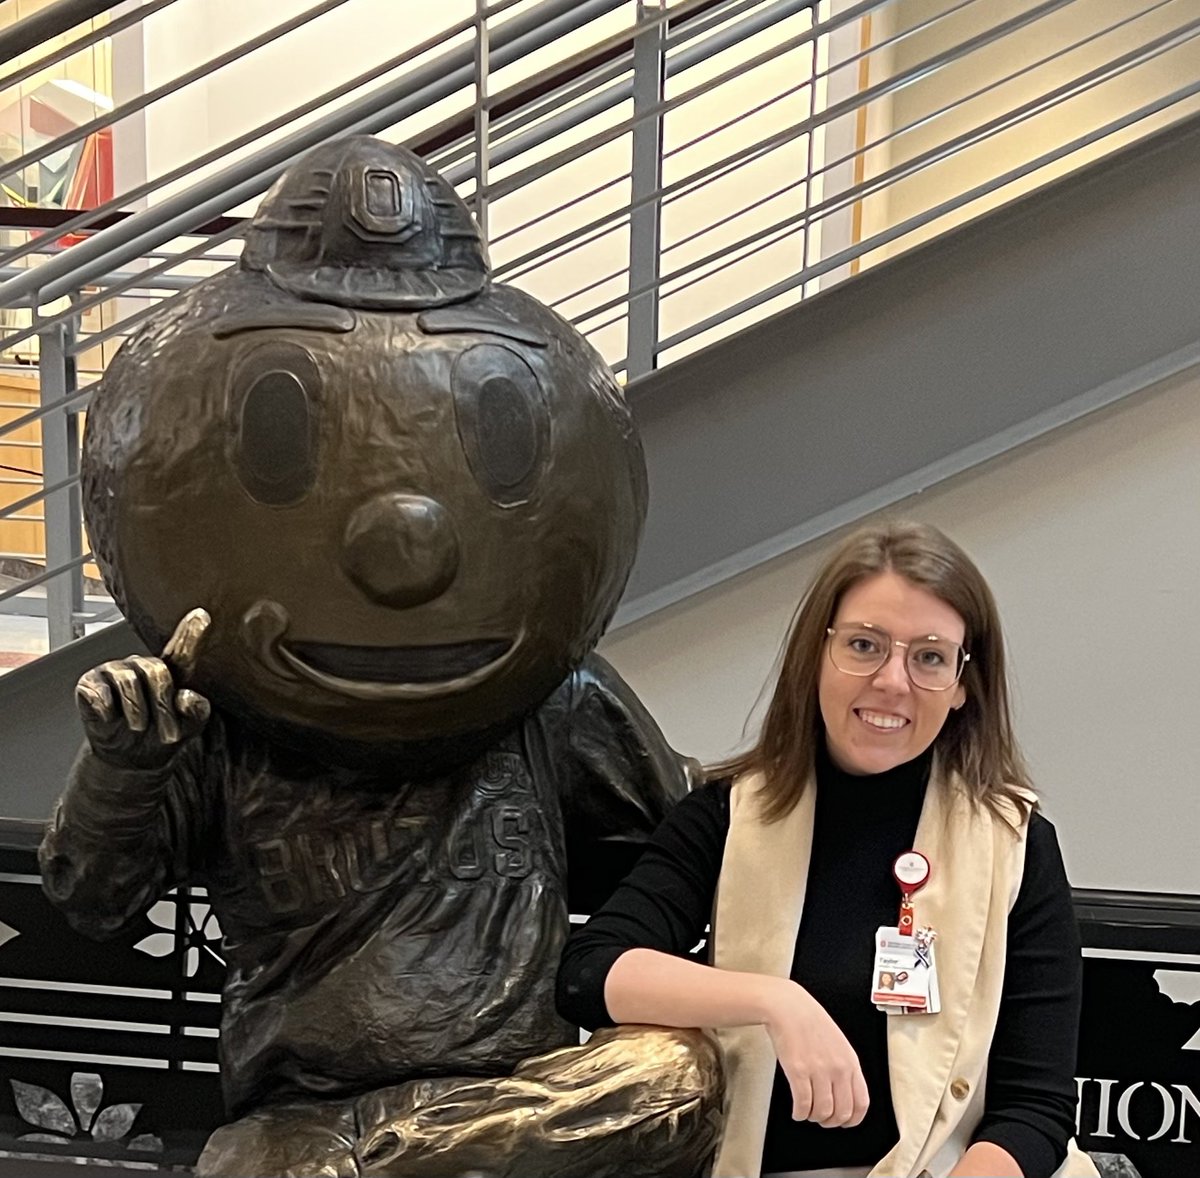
(888, 732)
(876, 704)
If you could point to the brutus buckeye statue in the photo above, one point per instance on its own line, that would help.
(407, 501)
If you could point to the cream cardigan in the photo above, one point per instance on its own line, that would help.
(937, 1063)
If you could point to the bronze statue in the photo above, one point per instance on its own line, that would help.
(408, 501)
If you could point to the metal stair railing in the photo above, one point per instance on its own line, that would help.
(606, 155)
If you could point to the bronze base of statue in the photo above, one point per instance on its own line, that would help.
(633, 1102)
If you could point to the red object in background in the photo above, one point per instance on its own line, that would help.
(92, 184)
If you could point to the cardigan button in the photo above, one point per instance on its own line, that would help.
(960, 1089)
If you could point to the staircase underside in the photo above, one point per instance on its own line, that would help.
(1067, 300)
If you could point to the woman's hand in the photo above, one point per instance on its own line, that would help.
(821, 1067)
(646, 986)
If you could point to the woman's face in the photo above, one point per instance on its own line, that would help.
(875, 722)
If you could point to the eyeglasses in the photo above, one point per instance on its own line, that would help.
(932, 663)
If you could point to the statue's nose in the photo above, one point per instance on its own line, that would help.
(401, 550)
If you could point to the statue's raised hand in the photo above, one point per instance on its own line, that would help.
(137, 712)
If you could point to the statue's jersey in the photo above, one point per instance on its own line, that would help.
(379, 929)
(377, 933)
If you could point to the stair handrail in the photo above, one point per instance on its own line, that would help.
(51, 21)
(197, 73)
(546, 22)
(115, 24)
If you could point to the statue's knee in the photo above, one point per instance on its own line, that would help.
(295, 1140)
(649, 1067)
(686, 1059)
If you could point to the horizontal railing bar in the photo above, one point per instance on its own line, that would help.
(562, 208)
(48, 575)
(508, 148)
(823, 75)
(52, 20)
(496, 9)
(555, 100)
(807, 217)
(896, 38)
(563, 300)
(115, 24)
(709, 21)
(817, 31)
(44, 411)
(586, 146)
(622, 91)
(240, 181)
(50, 249)
(606, 225)
(900, 131)
(167, 88)
(89, 217)
(194, 253)
(837, 110)
(920, 220)
(507, 122)
(842, 199)
(86, 342)
(41, 223)
(454, 138)
(78, 306)
(951, 147)
(891, 136)
(164, 282)
(1003, 80)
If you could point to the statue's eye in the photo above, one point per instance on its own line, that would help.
(274, 422)
(503, 421)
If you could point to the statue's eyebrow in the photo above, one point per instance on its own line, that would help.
(446, 320)
(305, 316)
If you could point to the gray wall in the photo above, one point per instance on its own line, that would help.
(1090, 538)
(921, 368)
(39, 727)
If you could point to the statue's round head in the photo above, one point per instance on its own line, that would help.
(409, 499)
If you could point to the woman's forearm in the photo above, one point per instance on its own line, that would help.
(646, 986)
(826, 1080)
(986, 1160)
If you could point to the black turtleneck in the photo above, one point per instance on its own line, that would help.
(861, 825)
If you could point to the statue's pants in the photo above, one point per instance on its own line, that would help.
(633, 1102)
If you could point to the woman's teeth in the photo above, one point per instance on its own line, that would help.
(879, 720)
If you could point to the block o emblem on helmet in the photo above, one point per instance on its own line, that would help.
(382, 203)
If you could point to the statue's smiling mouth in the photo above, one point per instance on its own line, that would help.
(375, 672)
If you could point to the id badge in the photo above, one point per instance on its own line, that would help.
(904, 973)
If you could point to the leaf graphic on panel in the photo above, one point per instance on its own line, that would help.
(1182, 986)
(115, 1121)
(86, 1090)
(39, 1106)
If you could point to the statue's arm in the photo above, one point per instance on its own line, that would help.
(620, 778)
(124, 829)
(119, 838)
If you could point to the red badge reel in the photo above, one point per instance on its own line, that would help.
(911, 871)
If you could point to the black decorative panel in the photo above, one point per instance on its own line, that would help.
(1139, 1050)
(107, 1050)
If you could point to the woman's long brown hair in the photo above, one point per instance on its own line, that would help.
(977, 741)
